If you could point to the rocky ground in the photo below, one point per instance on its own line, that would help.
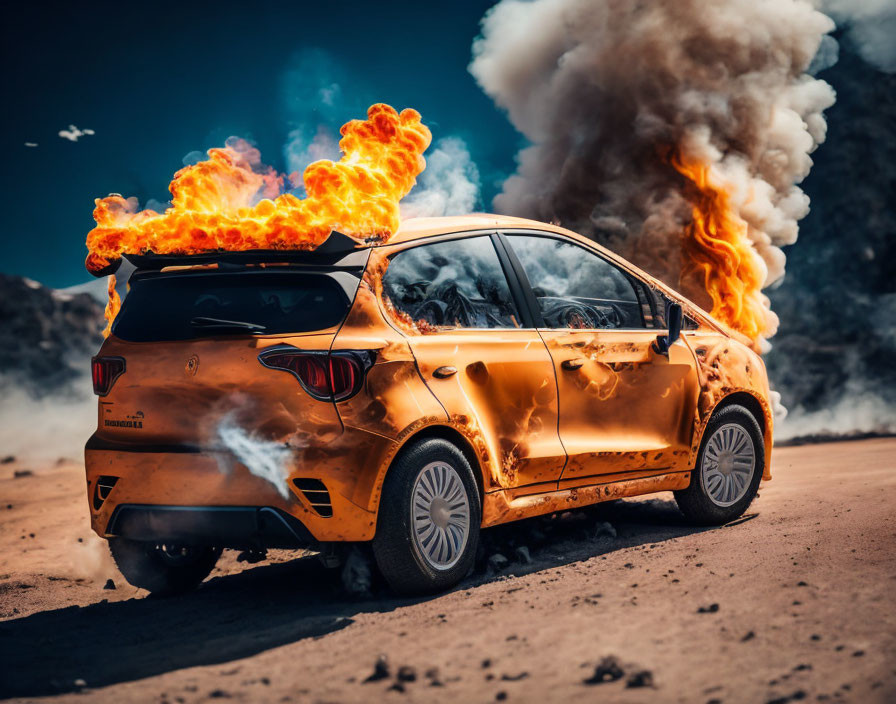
(624, 602)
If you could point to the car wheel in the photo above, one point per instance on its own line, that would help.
(728, 471)
(164, 570)
(429, 518)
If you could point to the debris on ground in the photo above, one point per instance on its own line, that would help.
(641, 678)
(711, 609)
(21, 473)
(380, 670)
(406, 673)
(357, 573)
(498, 562)
(607, 670)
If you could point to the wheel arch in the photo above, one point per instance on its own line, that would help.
(443, 432)
(757, 407)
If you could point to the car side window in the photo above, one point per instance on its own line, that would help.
(452, 284)
(575, 288)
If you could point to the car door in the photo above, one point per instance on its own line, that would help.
(624, 407)
(489, 369)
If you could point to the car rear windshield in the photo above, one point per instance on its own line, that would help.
(188, 306)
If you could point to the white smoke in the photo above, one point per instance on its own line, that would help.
(604, 91)
(449, 185)
(870, 25)
(266, 459)
(47, 428)
(315, 106)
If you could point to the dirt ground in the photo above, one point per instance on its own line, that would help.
(795, 601)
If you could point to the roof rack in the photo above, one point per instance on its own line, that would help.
(330, 253)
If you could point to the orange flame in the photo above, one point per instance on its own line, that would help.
(213, 202)
(716, 250)
(112, 306)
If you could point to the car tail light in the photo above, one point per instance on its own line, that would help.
(325, 376)
(105, 371)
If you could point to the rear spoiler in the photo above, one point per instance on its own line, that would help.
(337, 251)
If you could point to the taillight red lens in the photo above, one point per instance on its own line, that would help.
(105, 370)
(344, 376)
(324, 376)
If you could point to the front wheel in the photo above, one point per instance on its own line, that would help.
(429, 518)
(729, 468)
(164, 570)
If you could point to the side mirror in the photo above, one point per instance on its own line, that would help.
(673, 322)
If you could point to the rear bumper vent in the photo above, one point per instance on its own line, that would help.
(316, 494)
(102, 490)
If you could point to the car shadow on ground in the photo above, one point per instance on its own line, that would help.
(236, 616)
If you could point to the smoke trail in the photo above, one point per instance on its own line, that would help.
(609, 93)
(448, 186)
(870, 25)
(266, 459)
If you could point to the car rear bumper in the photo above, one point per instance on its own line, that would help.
(220, 526)
(159, 493)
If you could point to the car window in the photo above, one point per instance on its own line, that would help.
(458, 283)
(575, 288)
(184, 306)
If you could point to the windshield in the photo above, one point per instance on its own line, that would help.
(187, 306)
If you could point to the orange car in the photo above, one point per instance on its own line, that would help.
(471, 371)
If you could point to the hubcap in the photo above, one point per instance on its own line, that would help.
(729, 461)
(440, 515)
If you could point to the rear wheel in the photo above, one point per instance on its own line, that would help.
(163, 569)
(429, 518)
(728, 471)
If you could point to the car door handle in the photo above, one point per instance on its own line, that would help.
(572, 364)
(444, 372)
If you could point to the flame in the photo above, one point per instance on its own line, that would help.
(717, 251)
(213, 205)
(112, 306)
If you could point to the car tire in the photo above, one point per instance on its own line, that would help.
(162, 570)
(729, 467)
(429, 519)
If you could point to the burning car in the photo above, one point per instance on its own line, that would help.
(469, 371)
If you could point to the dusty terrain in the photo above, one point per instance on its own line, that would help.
(795, 601)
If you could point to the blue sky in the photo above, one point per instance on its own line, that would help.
(158, 82)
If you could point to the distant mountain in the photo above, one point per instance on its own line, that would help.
(46, 336)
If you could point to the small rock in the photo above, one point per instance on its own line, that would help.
(79, 683)
(9, 459)
(406, 673)
(432, 674)
(802, 584)
(711, 609)
(109, 584)
(522, 555)
(486, 664)
(380, 670)
(500, 696)
(604, 530)
(641, 678)
(515, 678)
(219, 694)
(498, 562)
(802, 666)
(858, 653)
(607, 670)
(748, 636)
(397, 687)
(20, 473)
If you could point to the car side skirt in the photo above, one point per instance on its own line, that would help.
(500, 507)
